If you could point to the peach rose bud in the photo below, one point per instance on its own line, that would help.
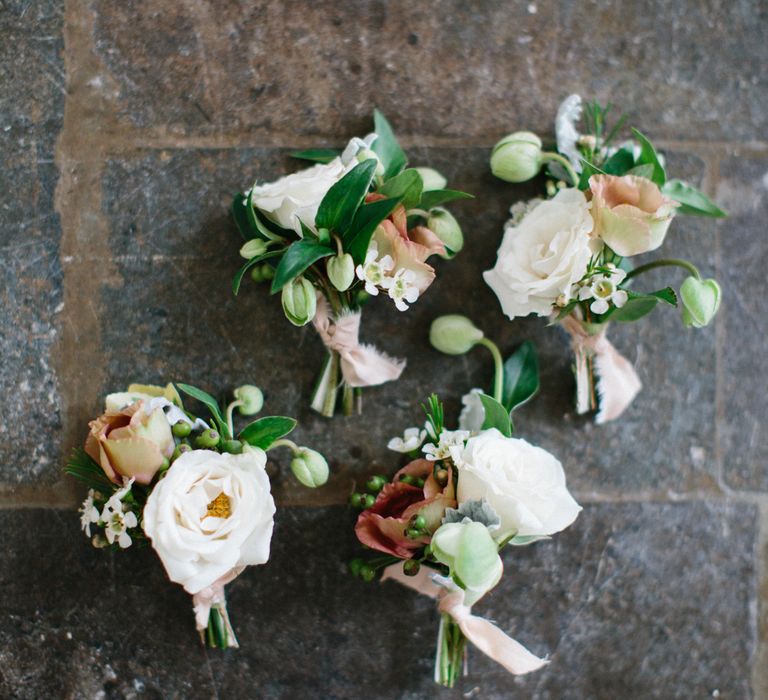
(631, 214)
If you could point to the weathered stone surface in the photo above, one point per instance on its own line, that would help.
(453, 69)
(743, 187)
(621, 612)
(31, 107)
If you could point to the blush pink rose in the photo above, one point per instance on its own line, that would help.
(382, 527)
(631, 214)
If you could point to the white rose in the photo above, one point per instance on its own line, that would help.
(296, 197)
(524, 484)
(211, 513)
(541, 257)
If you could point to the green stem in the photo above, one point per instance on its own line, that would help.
(230, 423)
(549, 155)
(284, 442)
(498, 377)
(666, 262)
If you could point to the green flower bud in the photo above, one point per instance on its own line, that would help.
(701, 300)
(368, 500)
(375, 484)
(411, 567)
(447, 229)
(299, 301)
(309, 467)
(253, 248)
(180, 450)
(341, 271)
(356, 500)
(207, 439)
(252, 398)
(367, 573)
(454, 334)
(267, 272)
(407, 479)
(420, 523)
(256, 274)
(517, 157)
(355, 565)
(181, 429)
(234, 447)
(432, 179)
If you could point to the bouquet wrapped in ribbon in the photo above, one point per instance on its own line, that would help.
(439, 524)
(357, 224)
(158, 473)
(570, 255)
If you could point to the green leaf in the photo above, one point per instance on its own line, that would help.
(392, 157)
(367, 218)
(240, 215)
(260, 227)
(666, 295)
(340, 203)
(434, 198)
(565, 311)
(298, 257)
(521, 376)
(211, 403)
(408, 186)
(645, 171)
(317, 155)
(587, 171)
(237, 280)
(83, 467)
(648, 156)
(620, 163)
(693, 202)
(496, 416)
(264, 431)
(639, 305)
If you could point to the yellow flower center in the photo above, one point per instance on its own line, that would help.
(219, 507)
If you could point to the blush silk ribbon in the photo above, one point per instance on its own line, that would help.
(214, 596)
(486, 636)
(617, 381)
(361, 365)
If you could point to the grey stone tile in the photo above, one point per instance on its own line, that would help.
(31, 108)
(743, 187)
(446, 69)
(634, 601)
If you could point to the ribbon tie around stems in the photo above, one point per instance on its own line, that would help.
(486, 636)
(213, 596)
(617, 384)
(361, 365)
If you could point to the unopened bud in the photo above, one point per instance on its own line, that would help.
(253, 248)
(341, 271)
(309, 467)
(517, 157)
(701, 300)
(299, 301)
(252, 398)
(443, 224)
(454, 334)
(432, 179)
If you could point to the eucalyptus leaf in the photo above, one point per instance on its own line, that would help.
(407, 185)
(297, 258)
(521, 376)
(496, 416)
(478, 510)
(237, 280)
(211, 403)
(264, 431)
(386, 147)
(434, 198)
(648, 156)
(337, 210)
(693, 201)
(367, 218)
(523, 540)
(317, 155)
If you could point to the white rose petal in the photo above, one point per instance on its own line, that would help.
(524, 484)
(543, 256)
(472, 415)
(196, 548)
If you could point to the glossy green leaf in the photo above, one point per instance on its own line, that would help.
(434, 198)
(648, 156)
(521, 376)
(337, 210)
(237, 280)
(297, 258)
(207, 400)
(264, 431)
(620, 163)
(496, 416)
(367, 218)
(587, 171)
(386, 147)
(240, 215)
(639, 305)
(407, 186)
(317, 155)
(271, 231)
(693, 202)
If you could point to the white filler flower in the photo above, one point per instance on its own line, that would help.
(412, 439)
(211, 513)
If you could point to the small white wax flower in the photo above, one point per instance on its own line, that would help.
(403, 288)
(89, 513)
(118, 518)
(412, 439)
(374, 271)
(447, 440)
(603, 288)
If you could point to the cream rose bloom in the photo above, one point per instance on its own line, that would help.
(209, 514)
(542, 256)
(524, 484)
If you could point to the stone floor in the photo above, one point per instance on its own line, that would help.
(125, 128)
